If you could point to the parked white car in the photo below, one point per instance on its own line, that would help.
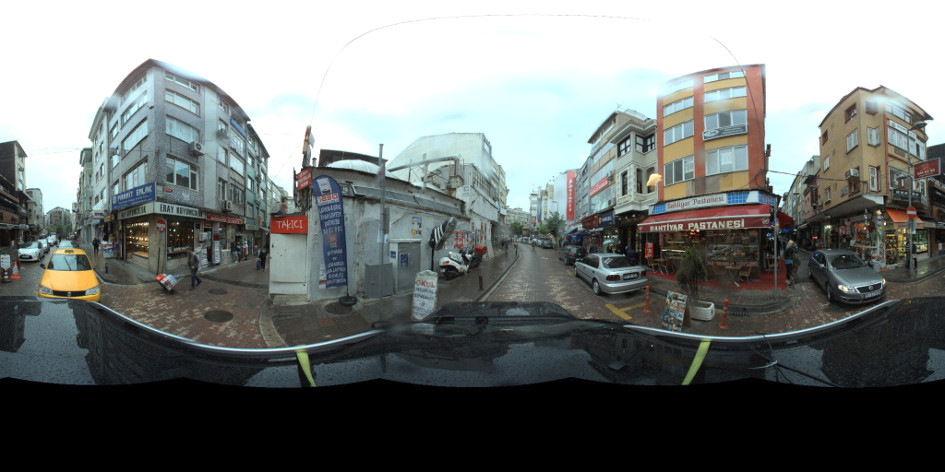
(610, 273)
(30, 251)
(44, 244)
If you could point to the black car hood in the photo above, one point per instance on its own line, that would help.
(81, 343)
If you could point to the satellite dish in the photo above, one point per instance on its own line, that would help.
(441, 233)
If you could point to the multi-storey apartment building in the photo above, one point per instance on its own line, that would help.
(636, 163)
(869, 142)
(35, 212)
(713, 163)
(175, 164)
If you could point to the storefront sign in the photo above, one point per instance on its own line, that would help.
(599, 186)
(332, 219)
(139, 210)
(303, 179)
(724, 131)
(928, 168)
(607, 219)
(725, 218)
(721, 199)
(135, 196)
(161, 225)
(177, 210)
(290, 225)
(570, 197)
(224, 218)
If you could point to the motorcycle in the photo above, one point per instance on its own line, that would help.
(460, 263)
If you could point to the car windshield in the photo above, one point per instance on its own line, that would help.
(846, 261)
(69, 262)
(31, 245)
(342, 160)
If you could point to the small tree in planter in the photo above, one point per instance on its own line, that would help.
(690, 272)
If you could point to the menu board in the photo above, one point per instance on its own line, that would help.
(675, 311)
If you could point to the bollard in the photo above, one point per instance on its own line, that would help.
(724, 323)
(480, 282)
(646, 308)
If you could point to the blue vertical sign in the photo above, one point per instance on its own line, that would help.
(327, 194)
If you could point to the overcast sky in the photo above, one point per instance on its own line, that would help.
(536, 77)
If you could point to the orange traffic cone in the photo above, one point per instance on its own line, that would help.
(16, 272)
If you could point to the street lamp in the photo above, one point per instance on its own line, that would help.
(911, 223)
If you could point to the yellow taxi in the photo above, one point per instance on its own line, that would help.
(69, 274)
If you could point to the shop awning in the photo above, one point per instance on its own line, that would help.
(709, 219)
(784, 220)
(900, 218)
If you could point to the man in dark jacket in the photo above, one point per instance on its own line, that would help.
(193, 262)
(631, 255)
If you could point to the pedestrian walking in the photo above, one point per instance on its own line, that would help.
(262, 258)
(234, 252)
(95, 243)
(194, 263)
(790, 253)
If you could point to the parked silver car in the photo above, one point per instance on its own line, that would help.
(845, 277)
(610, 273)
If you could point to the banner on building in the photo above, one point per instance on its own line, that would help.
(331, 216)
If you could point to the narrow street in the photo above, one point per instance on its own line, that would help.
(540, 276)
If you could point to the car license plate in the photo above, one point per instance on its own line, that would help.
(874, 293)
(630, 276)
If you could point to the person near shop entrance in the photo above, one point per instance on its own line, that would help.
(234, 252)
(789, 253)
(95, 244)
(194, 263)
(631, 255)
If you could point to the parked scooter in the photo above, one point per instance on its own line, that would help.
(459, 263)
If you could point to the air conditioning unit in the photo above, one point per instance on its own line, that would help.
(227, 205)
(196, 148)
(852, 173)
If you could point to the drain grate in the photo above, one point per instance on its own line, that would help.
(217, 291)
(218, 316)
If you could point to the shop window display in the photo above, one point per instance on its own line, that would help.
(180, 238)
(136, 238)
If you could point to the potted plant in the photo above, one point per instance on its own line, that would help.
(692, 270)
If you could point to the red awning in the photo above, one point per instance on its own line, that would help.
(784, 220)
(709, 219)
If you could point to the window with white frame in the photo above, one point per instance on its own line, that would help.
(679, 170)
(221, 155)
(899, 113)
(236, 142)
(135, 177)
(181, 173)
(236, 164)
(171, 96)
(135, 136)
(723, 94)
(826, 162)
(139, 102)
(678, 105)
(181, 130)
(182, 81)
(677, 133)
(726, 118)
(727, 159)
(853, 139)
(872, 136)
(646, 143)
(723, 75)
(827, 194)
(874, 179)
